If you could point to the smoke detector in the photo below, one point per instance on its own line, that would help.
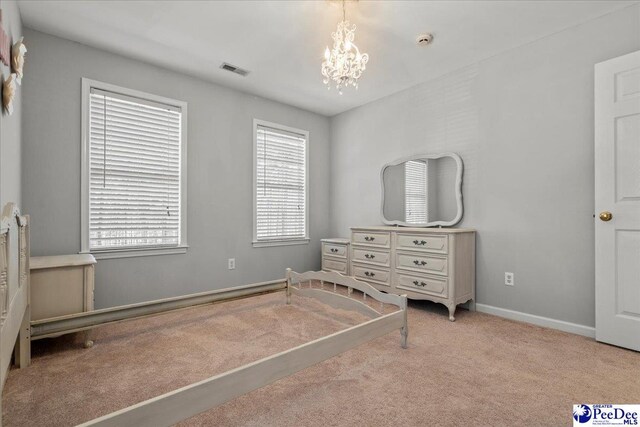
(424, 39)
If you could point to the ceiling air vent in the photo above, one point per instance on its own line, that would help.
(234, 69)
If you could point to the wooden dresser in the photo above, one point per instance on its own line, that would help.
(435, 264)
(336, 255)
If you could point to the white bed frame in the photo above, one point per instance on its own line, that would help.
(183, 403)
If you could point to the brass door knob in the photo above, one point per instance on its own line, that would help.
(606, 216)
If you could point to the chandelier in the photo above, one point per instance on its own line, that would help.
(344, 63)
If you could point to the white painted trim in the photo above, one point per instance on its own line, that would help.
(266, 243)
(460, 168)
(283, 242)
(84, 166)
(561, 325)
(87, 84)
(138, 252)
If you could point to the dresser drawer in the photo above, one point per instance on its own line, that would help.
(369, 274)
(423, 242)
(424, 285)
(422, 263)
(334, 265)
(370, 256)
(339, 251)
(374, 238)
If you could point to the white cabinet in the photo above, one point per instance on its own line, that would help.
(435, 264)
(61, 285)
(336, 255)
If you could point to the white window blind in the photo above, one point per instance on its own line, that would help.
(281, 185)
(415, 185)
(134, 172)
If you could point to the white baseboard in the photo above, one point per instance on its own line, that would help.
(561, 325)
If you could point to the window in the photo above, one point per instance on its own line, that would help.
(280, 192)
(133, 177)
(415, 187)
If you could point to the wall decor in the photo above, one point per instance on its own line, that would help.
(17, 59)
(8, 92)
(5, 45)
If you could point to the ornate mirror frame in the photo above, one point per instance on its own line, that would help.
(458, 190)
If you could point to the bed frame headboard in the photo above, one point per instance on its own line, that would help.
(14, 290)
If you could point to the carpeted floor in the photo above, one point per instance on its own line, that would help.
(479, 370)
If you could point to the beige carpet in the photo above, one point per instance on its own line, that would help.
(479, 370)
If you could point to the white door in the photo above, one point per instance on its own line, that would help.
(617, 200)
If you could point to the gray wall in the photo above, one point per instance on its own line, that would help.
(522, 122)
(10, 126)
(220, 150)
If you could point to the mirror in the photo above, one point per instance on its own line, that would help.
(422, 191)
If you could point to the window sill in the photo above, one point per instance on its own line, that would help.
(132, 253)
(268, 243)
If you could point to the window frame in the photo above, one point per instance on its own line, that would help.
(282, 241)
(85, 198)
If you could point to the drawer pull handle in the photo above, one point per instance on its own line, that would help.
(420, 243)
(334, 250)
(369, 256)
(369, 238)
(369, 274)
(418, 262)
(415, 282)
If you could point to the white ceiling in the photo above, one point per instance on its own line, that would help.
(282, 42)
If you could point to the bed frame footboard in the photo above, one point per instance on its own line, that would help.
(327, 293)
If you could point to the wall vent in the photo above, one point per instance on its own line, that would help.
(234, 69)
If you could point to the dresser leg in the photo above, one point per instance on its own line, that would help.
(88, 342)
(452, 310)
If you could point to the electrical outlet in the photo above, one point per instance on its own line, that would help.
(232, 263)
(509, 280)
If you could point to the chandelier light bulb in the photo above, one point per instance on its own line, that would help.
(327, 53)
